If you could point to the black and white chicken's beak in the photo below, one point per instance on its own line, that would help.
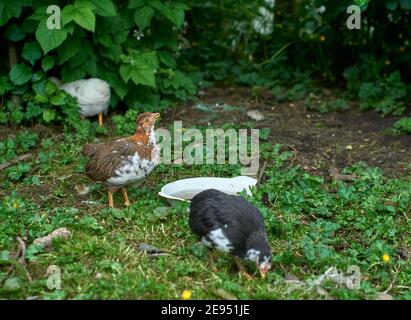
(264, 269)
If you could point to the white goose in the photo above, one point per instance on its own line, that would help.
(93, 96)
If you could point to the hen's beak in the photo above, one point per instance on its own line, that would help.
(264, 269)
(262, 273)
(156, 116)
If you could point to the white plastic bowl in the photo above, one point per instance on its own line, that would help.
(186, 189)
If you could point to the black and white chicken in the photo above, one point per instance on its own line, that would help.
(93, 96)
(231, 224)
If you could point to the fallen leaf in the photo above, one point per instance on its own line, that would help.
(255, 115)
(47, 241)
(321, 291)
(151, 250)
(223, 294)
(335, 173)
(82, 189)
(291, 277)
(384, 296)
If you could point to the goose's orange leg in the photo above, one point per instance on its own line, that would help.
(100, 119)
(110, 199)
(125, 196)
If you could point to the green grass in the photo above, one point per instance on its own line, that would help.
(313, 224)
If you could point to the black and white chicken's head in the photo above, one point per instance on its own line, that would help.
(258, 251)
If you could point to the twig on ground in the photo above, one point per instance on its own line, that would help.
(20, 256)
(15, 160)
(335, 174)
(19, 259)
(260, 176)
(295, 155)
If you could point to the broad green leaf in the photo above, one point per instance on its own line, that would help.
(69, 74)
(58, 99)
(40, 98)
(149, 58)
(85, 18)
(391, 4)
(113, 53)
(33, 110)
(125, 72)
(38, 75)
(81, 13)
(121, 36)
(20, 74)
(158, 5)
(47, 63)
(14, 33)
(49, 115)
(104, 8)
(143, 17)
(50, 38)
(50, 88)
(105, 40)
(115, 82)
(39, 14)
(405, 4)
(136, 4)
(141, 68)
(166, 58)
(144, 76)
(68, 49)
(67, 14)
(31, 52)
(175, 13)
(85, 4)
(9, 9)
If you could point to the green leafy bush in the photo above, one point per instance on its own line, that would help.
(133, 45)
(384, 95)
(403, 125)
(267, 43)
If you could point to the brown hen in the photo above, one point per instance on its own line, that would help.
(124, 162)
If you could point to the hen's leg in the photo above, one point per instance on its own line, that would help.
(100, 119)
(242, 269)
(211, 260)
(125, 196)
(110, 199)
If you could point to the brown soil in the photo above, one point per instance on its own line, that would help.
(335, 139)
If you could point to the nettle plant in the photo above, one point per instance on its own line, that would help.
(133, 45)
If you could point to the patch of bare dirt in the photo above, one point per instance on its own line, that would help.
(322, 140)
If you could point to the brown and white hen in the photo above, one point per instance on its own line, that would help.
(123, 162)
